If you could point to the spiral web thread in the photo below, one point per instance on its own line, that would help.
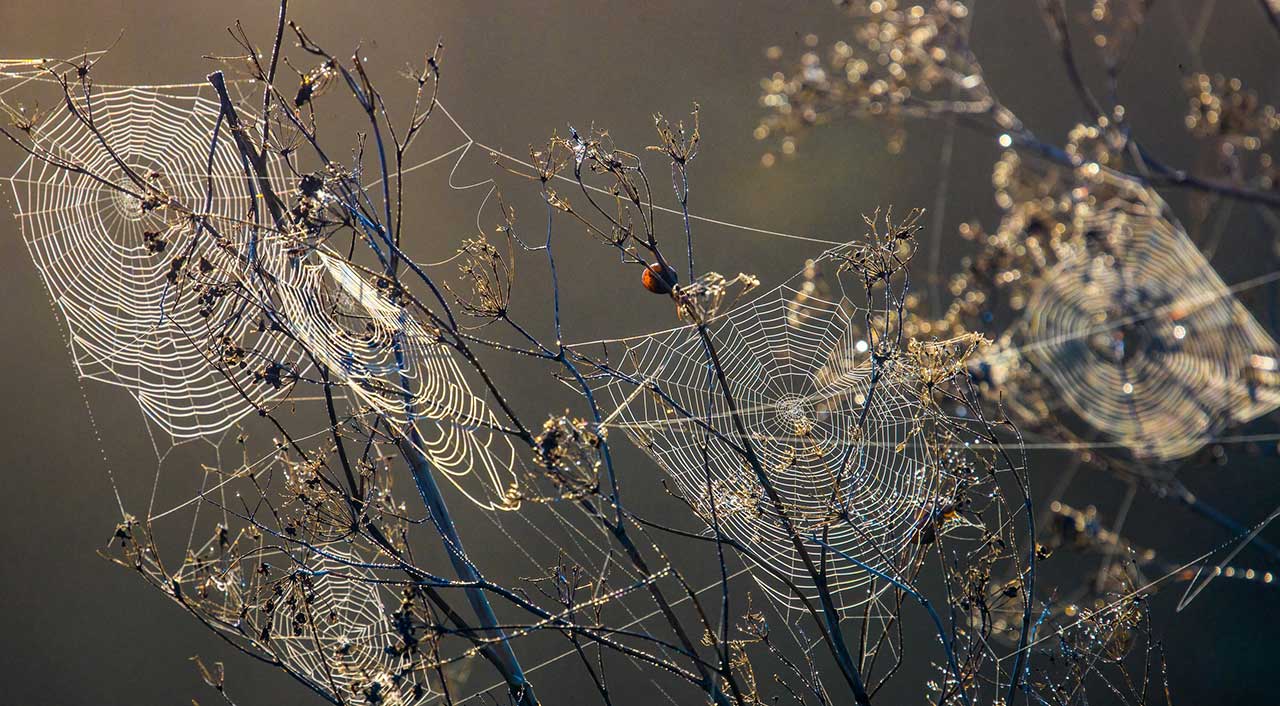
(800, 373)
(396, 366)
(184, 317)
(329, 626)
(320, 610)
(113, 262)
(1141, 338)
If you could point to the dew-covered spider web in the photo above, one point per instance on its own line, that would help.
(397, 367)
(137, 212)
(108, 219)
(329, 623)
(164, 286)
(835, 438)
(1138, 335)
(322, 611)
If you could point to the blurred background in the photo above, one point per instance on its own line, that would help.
(78, 630)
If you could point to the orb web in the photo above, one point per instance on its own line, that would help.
(140, 226)
(395, 365)
(801, 377)
(145, 290)
(329, 626)
(1140, 336)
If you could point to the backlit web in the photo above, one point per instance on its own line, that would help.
(838, 448)
(138, 282)
(322, 611)
(329, 624)
(395, 366)
(168, 292)
(1139, 336)
(797, 365)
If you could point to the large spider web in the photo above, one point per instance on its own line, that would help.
(138, 283)
(1139, 335)
(330, 626)
(838, 449)
(188, 317)
(321, 611)
(397, 366)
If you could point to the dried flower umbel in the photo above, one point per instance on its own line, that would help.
(1236, 127)
(711, 293)
(567, 452)
(901, 60)
(490, 276)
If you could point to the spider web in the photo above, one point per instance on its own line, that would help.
(396, 366)
(112, 258)
(331, 627)
(169, 292)
(837, 447)
(1138, 335)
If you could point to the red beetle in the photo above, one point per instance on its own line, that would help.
(659, 278)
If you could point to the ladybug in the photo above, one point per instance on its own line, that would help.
(659, 278)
